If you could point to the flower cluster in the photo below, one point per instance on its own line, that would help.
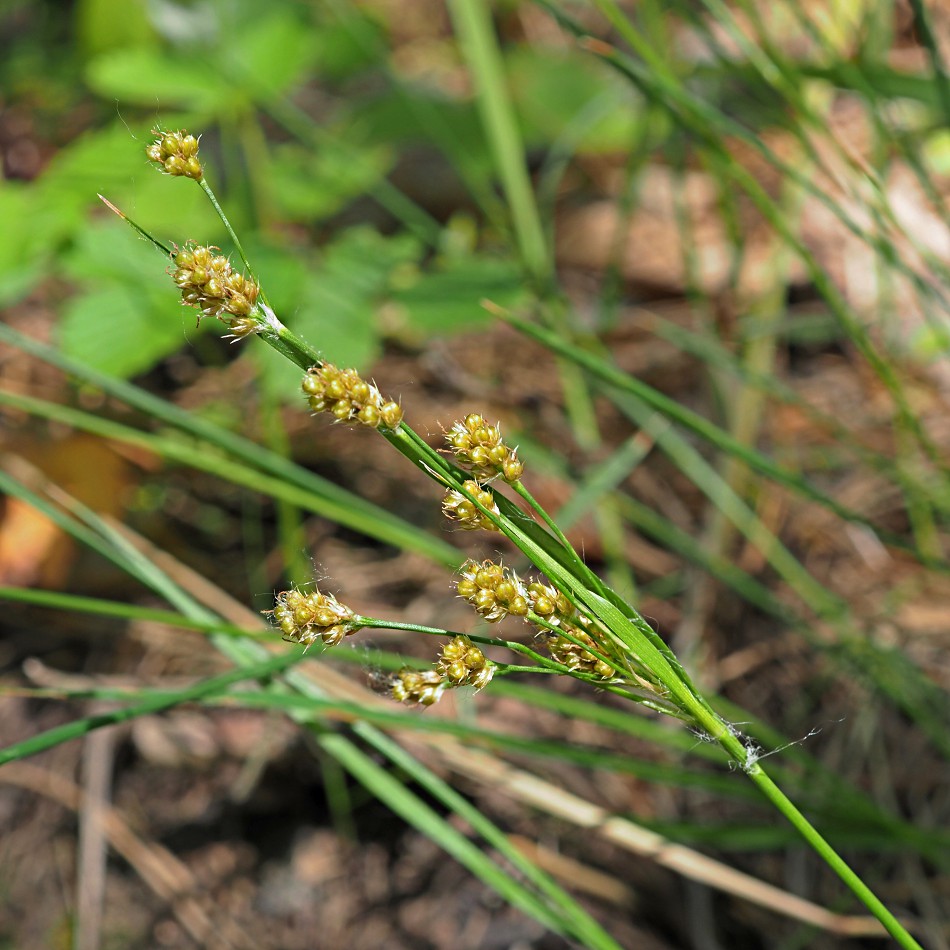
(478, 447)
(422, 687)
(345, 394)
(305, 618)
(574, 656)
(550, 605)
(177, 153)
(464, 512)
(463, 664)
(208, 282)
(494, 591)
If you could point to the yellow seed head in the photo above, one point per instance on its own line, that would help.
(176, 153)
(458, 508)
(423, 687)
(463, 664)
(305, 618)
(478, 446)
(494, 591)
(575, 657)
(349, 398)
(208, 282)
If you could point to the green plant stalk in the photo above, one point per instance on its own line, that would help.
(110, 608)
(867, 897)
(929, 41)
(616, 378)
(931, 844)
(472, 20)
(100, 536)
(278, 484)
(206, 188)
(394, 793)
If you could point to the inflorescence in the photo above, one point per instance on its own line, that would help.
(207, 281)
(496, 591)
(176, 153)
(459, 508)
(306, 618)
(478, 447)
(347, 396)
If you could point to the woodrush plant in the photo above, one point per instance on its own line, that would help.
(589, 631)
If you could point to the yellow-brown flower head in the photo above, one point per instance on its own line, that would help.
(549, 603)
(574, 656)
(345, 394)
(466, 514)
(493, 590)
(478, 447)
(305, 618)
(177, 153)
(208, 282)
(423, 687)
(463, 664)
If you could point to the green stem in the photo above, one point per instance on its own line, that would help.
(206, 188)
(472, 19)
(867, 897)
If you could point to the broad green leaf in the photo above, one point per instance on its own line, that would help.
(20, 266)
(352, 43)
(551, 90)
(104, 25)
(337, 308)
(118, 330)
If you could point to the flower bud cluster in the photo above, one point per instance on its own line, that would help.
(478, 447)
(208, 282)
(463, 664)
(493, 590)
(422, 687)
(576, 657)
(347, 396)
(551, 605)
(305, 618)
(177, 153)
(465, 513)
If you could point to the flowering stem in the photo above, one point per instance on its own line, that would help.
(206, 188)
(620, 628)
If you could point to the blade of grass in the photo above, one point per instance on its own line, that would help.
(360, 514)
(153, 704)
